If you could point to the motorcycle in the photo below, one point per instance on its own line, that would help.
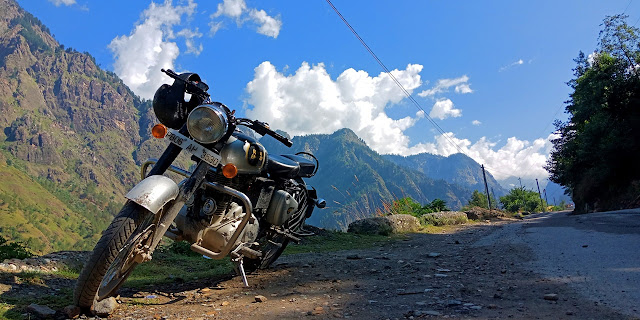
(238, 201)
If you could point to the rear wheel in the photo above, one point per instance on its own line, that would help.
(112, 259)
(271, 246)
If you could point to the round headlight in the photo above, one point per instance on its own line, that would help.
(207, 123)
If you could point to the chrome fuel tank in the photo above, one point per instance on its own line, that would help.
(247, 154)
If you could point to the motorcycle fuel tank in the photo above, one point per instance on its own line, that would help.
(248, 156)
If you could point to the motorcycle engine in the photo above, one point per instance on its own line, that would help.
(217, 235)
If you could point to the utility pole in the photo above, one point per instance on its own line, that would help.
(522, 190)
(539, 194)
(486, 188)
(545, 195)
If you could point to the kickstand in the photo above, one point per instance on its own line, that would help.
(239, 266)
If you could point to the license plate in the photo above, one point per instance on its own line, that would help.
(193, 147)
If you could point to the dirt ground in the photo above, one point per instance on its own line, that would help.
(425, 276)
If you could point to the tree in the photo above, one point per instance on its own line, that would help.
(595, 155)
(479, 199)
(438, 205)
(522, 200)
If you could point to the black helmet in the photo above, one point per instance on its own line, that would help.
(168, 102)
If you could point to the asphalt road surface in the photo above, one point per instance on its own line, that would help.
(597, 254)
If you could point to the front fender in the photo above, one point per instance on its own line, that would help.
(153, 192)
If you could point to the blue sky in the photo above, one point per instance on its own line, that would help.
(492, 73)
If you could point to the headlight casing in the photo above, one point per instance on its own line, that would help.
(207, 123)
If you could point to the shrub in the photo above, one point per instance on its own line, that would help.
(443, 218)
(13, 250)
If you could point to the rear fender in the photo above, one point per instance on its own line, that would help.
(153, 192)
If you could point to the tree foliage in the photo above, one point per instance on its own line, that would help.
(595, 155)
(11, 250)
(479, 199)
(522, 200)
(407, 205)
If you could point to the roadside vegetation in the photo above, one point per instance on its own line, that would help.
(595, 155)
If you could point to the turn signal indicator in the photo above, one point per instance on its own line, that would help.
(229, 170)
(159, 131)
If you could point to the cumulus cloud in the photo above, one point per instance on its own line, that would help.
(461, 85)
(511, 65)
(476, 122)
(139, 56)
(237, 10)
(515, 158)
(189, 36)
(58, 3)
(443, 109)
(309, 101)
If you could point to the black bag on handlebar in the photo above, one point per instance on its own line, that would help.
(169, 104)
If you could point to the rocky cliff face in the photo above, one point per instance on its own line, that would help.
(64, 119)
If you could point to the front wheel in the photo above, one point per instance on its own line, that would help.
(111, 261)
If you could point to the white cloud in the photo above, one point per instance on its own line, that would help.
(58, 3)
(309, 101)
(517, 63)
(461, 85)
(591, 58)
(443, 109)
(269, 26)
(238, 10)
(230, 8)
(476, 122)
(189, 35)
(139, 56)
(519, 158)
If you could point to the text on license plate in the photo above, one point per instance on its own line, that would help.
(193, 147)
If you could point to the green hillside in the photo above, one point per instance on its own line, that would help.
(356, 181)
(71, 136)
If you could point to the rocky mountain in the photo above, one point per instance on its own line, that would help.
(356, 180)
(457, 169)
(70, 132)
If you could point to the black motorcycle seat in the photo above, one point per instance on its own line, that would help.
(307, 167)
(282, 167)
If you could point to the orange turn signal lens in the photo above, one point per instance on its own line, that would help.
(159, 131)
(229, 170)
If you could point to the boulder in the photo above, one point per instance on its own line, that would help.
(41, 311)
(403, 223)
(386, 225)
(376, 225)
(105, 307)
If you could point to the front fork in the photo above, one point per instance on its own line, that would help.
(166, 215)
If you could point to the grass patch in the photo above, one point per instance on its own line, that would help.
(30, 277)
(174, 263)
(67, 273)
(335, 241)
(8, 311)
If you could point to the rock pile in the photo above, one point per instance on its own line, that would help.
(51, 262)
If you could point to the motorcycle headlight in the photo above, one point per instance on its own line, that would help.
(207, 123)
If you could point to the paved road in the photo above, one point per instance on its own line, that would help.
(598, 254)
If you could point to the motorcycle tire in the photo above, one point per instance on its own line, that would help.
(130, 222)
(272, 247)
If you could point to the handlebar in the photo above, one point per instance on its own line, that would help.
(263, 129)
(191, 86)
(259, 127)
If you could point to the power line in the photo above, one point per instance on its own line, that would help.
(625, 9)
(442, 132)
(413, 100)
